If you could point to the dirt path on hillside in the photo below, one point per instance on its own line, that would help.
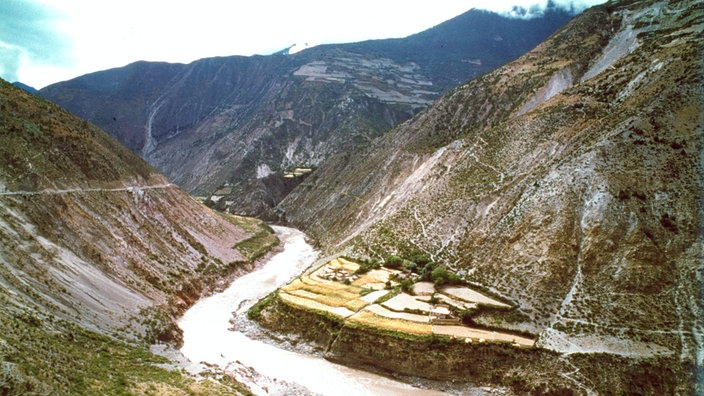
(49, 191)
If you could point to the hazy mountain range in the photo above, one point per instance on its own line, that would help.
(243, 121)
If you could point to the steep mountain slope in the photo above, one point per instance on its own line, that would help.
(96, 246)
(26, 87)
(243, 121)
(568, 181)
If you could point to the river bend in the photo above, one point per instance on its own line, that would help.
(207, 336)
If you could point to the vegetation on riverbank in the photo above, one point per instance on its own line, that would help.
(367, 339)
(260, 243)
(46, 355)
(525, 371)
(41, 353)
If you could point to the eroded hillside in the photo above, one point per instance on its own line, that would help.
(96, 246)
(568, 182)
(241, 122)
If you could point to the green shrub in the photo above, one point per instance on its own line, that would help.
(426, 272)
(367, 265)
(441, 276)
(419, 258)
(466, 316)
(256, 310)
(394, 262)
(407, 285)
(410, 266)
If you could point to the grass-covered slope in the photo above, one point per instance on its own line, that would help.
(98, 253)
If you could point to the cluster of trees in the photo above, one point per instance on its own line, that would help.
(418, 264)
(426, 270)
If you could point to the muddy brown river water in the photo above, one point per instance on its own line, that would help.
(264, 367)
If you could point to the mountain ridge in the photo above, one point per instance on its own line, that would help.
(213, 123)
(567, 181)
(100, 254)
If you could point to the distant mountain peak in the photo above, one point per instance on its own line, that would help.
(297, 107)
(26, 87)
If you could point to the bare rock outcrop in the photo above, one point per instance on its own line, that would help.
(568, 181)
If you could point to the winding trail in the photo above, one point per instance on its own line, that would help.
(50, 191)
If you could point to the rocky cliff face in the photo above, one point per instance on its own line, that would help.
(94, 244)
(568, 181)
(233, 122)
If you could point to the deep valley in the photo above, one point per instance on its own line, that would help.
(492, 206)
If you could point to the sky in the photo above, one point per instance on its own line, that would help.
(46, 41)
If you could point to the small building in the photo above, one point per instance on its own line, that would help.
(442, 314)
(337, 274)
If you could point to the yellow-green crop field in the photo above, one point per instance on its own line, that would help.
(336, 289)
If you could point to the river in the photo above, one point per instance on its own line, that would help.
(264, 367)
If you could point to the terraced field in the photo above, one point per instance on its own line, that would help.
(374, 299)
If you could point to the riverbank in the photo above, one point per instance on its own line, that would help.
(430, 357)
(210, 279)
(262, 367)
(301, 359)
(464, 366)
